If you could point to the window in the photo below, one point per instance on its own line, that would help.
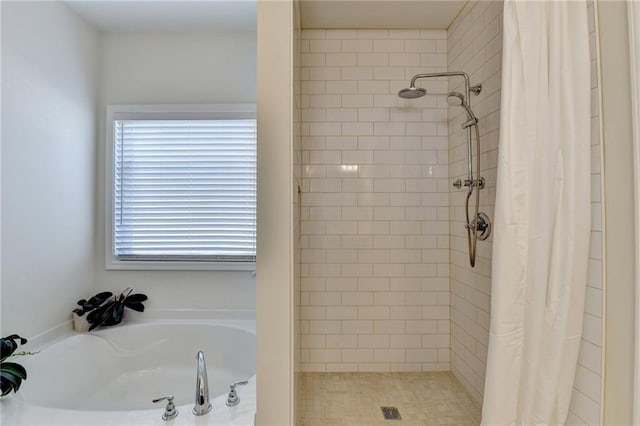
(183, 187)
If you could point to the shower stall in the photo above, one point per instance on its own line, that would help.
(396, 148)
(394, 263)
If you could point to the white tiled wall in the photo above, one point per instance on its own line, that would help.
(375, 243)
(586, 398)
(475, 46)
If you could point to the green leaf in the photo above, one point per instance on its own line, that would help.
(99, 298)
(9, 344)
(7, 347)
(99, 312)
(15, 369)
(135, 306)
(5, 386)
(13, 380)
(136, 298)
(16, 337)
(116, 315)
(102, 315)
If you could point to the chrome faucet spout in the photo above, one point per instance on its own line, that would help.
(202, 405)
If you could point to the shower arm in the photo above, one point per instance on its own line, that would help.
(467, 91)
(467, 85)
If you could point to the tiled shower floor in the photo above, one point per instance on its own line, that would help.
(354, 399)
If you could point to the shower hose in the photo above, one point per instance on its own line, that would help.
(472, 227)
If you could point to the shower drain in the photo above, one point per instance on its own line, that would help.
(391, 413)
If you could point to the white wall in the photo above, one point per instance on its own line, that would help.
(180, 67)
(176, 68)
(49, 68)
(297, 183)
(618, 208)
(58, 74)
(634, 50)
(275, 273)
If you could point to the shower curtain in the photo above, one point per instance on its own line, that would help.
(542, 219)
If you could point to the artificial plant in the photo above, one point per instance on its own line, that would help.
(102, 310)
(11, 373)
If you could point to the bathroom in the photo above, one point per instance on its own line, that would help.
(362, 259)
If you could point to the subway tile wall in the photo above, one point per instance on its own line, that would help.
(585, 408)
(475, 46)
(375, 203)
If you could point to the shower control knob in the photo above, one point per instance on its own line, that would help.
(483, 224)
(457, 184)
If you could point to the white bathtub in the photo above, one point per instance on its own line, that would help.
(109, 377)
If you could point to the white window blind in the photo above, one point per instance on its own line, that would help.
(184, 190)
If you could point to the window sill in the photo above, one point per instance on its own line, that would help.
(137, 265)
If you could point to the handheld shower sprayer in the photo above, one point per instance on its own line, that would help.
(457, 99)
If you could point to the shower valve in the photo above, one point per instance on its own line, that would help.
(481, 224)
(458, 183)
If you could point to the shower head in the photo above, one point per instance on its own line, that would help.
(412, 92)
(455, 99)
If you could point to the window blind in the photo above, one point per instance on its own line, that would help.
(185, 190)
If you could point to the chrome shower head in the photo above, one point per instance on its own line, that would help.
(412, 92)
(455, 99)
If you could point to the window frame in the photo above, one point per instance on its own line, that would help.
(163, 112)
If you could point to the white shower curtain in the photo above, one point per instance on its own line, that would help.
(542, 219)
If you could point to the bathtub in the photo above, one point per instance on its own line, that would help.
(110, 376)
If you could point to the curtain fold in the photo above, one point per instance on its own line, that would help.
(542, 220)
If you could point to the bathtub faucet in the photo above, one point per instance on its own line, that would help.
(202, 406)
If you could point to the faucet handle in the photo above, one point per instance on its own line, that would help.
(233, 399)
(170, 411)
(234, 384)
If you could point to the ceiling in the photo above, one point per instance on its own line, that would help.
(379, 14)
(240, 15)
(167, 15)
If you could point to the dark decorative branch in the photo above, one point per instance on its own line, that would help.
(93, 303)
(104, 312)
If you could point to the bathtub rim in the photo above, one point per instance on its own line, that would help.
(59, 332)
